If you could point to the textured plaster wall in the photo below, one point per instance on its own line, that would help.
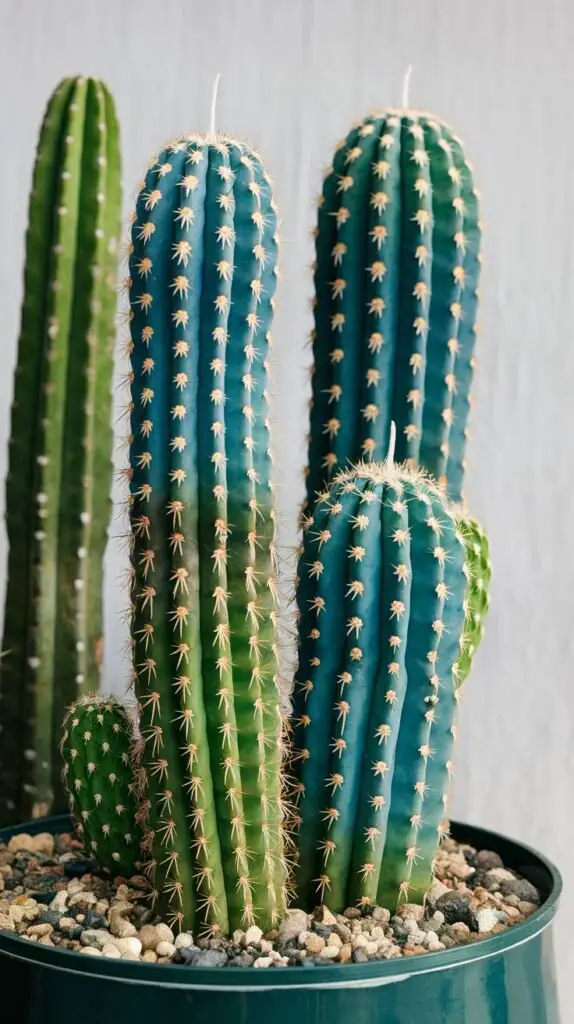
(296, 73)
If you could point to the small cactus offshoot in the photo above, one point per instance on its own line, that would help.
(204, 627)
(382, 581)
(60, 459)
(98, 750)
(477, 594)
(396, 274)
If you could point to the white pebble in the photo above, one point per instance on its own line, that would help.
(130, 946)
(253, 935)
(164, 948)
(111, 951)
(263, 961)
(164, 933)
(410, 925)
(329, 952)
(486, 919)
(183, 941)
(372, 947)
(90, 950)
(60, 901)
(266, 946)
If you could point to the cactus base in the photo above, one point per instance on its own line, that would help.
(509, 977)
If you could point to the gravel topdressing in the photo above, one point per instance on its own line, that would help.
(50, 894)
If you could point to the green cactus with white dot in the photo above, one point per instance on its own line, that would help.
(382, 592)
(396, 275)
(204, 628)
(60, 456)
(98, 750)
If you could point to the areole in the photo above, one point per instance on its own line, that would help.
(508, 979)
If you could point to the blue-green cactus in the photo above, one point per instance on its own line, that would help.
(396, 275)
(382, 580)
(204, 629)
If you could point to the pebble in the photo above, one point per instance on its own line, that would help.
(149, 956)
(90, 950)
(437, 890)
(183, 941)
(410, 910)
(497, 875)
(253, 936)
(295, 921)
(41, 843)
(130, 946)
(486, 920)
(488, 860)
(111, 951)
(210, 958)
(456, 907)
(329, 952)
(314, 943)
(164, 948)
(322, 915)
(526, 908)
(520, 887)
(381, 915)
(263, 961)
(244, 959)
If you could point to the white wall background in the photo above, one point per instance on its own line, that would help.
(296, 73)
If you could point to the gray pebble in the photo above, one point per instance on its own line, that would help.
(359, 956)
(487, 860)
(209, 958)
(243, 959)
(456, 907)
(520, 887)
(96, 938)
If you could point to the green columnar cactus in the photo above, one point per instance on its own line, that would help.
(204, 629)
(59, 475)
(477, 595)
(396, 274)
(381, 587)
(97, 748)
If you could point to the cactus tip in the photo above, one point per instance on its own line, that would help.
(213, 105)
(392, 442)
(406, 85)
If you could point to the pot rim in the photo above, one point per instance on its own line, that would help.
(332, 976)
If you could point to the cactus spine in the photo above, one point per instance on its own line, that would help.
(97, 748)
(396, 274)
(203, 277)
(59, 475)
(382, 582)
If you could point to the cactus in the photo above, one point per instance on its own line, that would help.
(381, 588)
(59, 475)
(97, 747)
(202, 281)
(477, 595)
(396, 273)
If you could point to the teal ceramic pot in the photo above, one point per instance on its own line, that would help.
(508, 979)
